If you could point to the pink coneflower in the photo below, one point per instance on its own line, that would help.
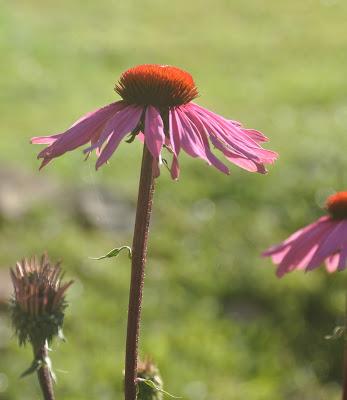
(324, 240)
(157, 107)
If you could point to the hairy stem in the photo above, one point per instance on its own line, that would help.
(139, 252)
(44, 373)
(344, 387)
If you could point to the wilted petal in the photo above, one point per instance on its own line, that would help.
(298, 250)
(200, 132)
(255, 135)
(45, 139)
(124, 122)
(239, 145)
(175, 168)
(154, 131)
(79, 133)
(332, 262)
(333, 242)
(175, 130)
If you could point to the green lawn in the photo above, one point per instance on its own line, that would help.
(217, 321)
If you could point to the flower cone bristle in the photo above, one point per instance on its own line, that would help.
(38, 304)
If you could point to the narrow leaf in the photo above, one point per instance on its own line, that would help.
(166, 164)
(114, 253)
(35, 366)
(152, 385)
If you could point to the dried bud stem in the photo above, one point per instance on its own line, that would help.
(44, 373)
(139, 253)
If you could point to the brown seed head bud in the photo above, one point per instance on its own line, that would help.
(147, 371)
(38, 304)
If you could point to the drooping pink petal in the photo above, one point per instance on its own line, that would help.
(232, 152)
(236, 123)
(324, 240)
(120, 121)
(298, 250)
(45, 139)
(235, 148)
(79, 133)
(242, 145)
(190, 141)
(94, 141)
(124, 122)
(255, 135)
(53, 138)
(238, 159)
(85, 116)
(216, 162)
(175, 131)
(200, 132)
(154, 132)
(334, 241)
(278, 248)
(175, 168)
(332, 262)
(278, 256)
(233, 136)
(245, 163)
(226, 127)
(297, 237)
(299, 254)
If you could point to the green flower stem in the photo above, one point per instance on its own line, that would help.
(44, 373)
(139, 253)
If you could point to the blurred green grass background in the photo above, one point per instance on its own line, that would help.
(216, 320)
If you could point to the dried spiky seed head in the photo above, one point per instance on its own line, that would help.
(38, 303)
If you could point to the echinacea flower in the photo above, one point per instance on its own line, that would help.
(38, 304)
(157, 107)
(323, 240)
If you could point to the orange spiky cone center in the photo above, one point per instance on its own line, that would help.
(157, 85)
(336, 205)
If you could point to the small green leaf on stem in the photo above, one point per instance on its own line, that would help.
(337, 333)
(152, 385)
(114, 253)
(35, 366)
(166, 164)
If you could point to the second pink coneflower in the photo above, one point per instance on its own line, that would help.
(325, 240)
(157, 107)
